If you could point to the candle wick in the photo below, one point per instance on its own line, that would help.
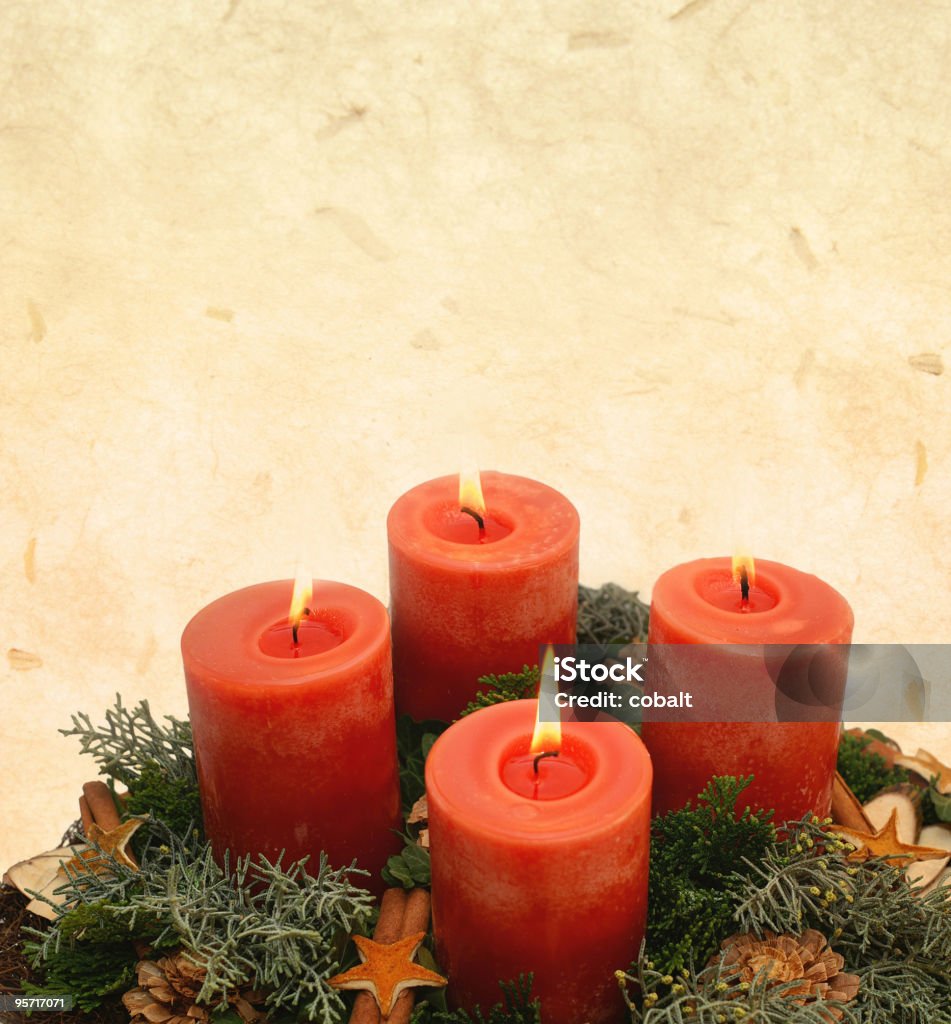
(744, 584)
(475, 515)
(295, 626)
(544, 753)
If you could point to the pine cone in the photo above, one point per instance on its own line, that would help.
(166, 993)
(806, 963)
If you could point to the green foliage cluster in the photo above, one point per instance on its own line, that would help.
(131, 739)
(410, 867)
(898, 943)
(504, 687)
(516, 1007)
(277, 929)
(153, 759)
(88, 972)
(105, 923)
(170, 798)
(694, 856)
(865, 772)
(414, 740)
(654, 997)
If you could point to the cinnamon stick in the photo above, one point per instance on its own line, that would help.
(86, 814)
(408, 914)
(102, 807)
(416, 915)
(389, 927)
(415, 919)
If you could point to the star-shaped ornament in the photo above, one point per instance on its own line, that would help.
(112, 843)
(387, 970)
(885, 842)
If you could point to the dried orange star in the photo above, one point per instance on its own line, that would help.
(387, 970)
(112, 843)
(886, 843)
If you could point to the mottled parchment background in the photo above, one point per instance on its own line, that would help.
(266, 265)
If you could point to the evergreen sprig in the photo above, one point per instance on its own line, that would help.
(694, 856)
(132, 739)
(865, 772)
(505, 687)
(153, 759)
(173, 799)
(87, 972)
(654, 997)
(897, 942)
(518, 1006)
(277, 929)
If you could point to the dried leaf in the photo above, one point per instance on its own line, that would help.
(846, 809)
(41, 874)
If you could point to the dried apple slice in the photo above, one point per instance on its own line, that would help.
(924, 874)
(906, 800)
(943, 881)
(928, 767)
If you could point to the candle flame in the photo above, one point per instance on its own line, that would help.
(470, 492)
(547, 735)
(301, 597)
(741, 561)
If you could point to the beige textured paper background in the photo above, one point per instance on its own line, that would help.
(266, 265)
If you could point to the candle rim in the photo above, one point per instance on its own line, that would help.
(406, 519)
(230, 664)
(620, 780)
(798, 594)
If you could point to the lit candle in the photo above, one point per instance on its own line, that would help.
(713, 601)
(539, 862)
(293, 725)
(476, 586)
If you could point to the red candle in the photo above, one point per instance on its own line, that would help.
(294, 735)
(543, 872)
(477, 592)
(708, 602)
